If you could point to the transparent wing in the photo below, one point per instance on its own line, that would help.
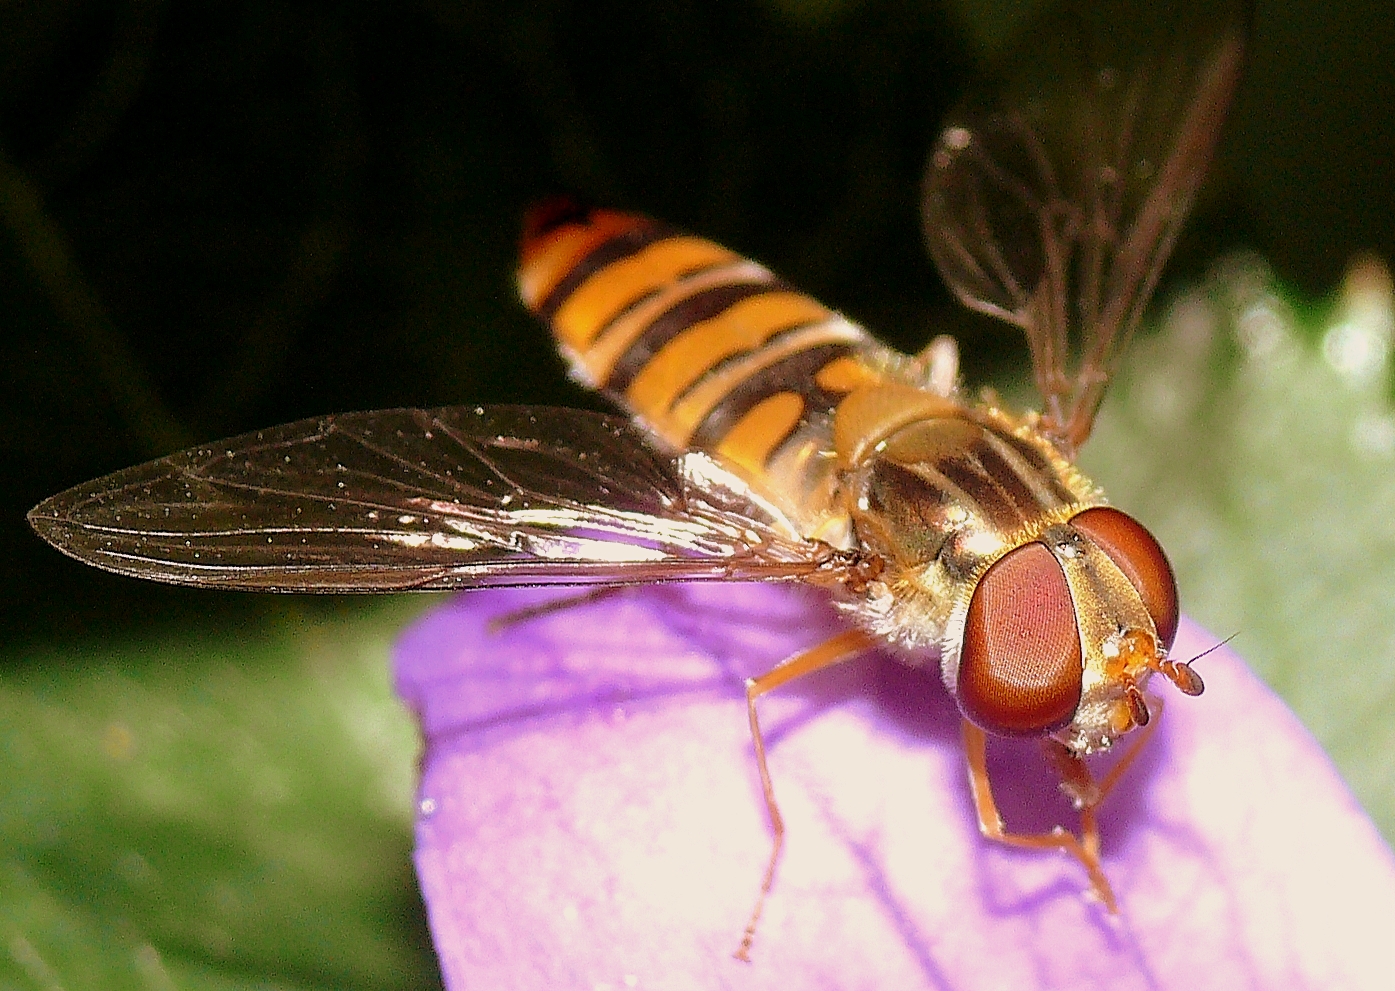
(426, 499)
(1053, 198)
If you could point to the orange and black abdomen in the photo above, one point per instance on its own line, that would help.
(707, 349)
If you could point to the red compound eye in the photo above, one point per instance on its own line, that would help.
(1142, 561)
(1020, 667)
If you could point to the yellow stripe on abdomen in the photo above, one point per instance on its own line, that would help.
(680, 423)
(555, 250)
(696, 351)
(597, 363)
(621, 284)
(754, 438)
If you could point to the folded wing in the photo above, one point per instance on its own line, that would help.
(446, 498)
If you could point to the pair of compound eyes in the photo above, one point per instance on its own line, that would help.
(1020, 666)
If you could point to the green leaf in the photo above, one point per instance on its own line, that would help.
(1256, 438)
(211, 809)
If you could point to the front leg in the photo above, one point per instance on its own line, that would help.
(1076, 780)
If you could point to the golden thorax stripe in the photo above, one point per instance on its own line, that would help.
(1038, 480)
(601, 298)
(605, 352)
(692, 408)
(999, 497)
(948, 490)
(995, 486)
(755, 436)
(741, 327)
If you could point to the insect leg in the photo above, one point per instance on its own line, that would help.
(1075, 780)
(1145, 733)
(498, 624)
(1087, 794)
(832, 651)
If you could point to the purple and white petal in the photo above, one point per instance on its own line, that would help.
(590, 817)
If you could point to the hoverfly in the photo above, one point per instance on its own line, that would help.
(771, 439)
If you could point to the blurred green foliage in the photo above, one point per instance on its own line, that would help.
(219, 216)
(218, 807)
(1258, 441)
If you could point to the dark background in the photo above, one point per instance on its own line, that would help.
(219, 216)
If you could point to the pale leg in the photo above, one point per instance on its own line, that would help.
(832, 651)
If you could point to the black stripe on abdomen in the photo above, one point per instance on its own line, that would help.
(622, 246)
(793, 374)
(696, 308)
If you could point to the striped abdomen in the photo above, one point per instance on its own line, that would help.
(707, 349)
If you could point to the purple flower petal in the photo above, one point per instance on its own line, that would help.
(591, 818)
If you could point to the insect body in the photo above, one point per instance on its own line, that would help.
(773, 439)
(987, 547)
